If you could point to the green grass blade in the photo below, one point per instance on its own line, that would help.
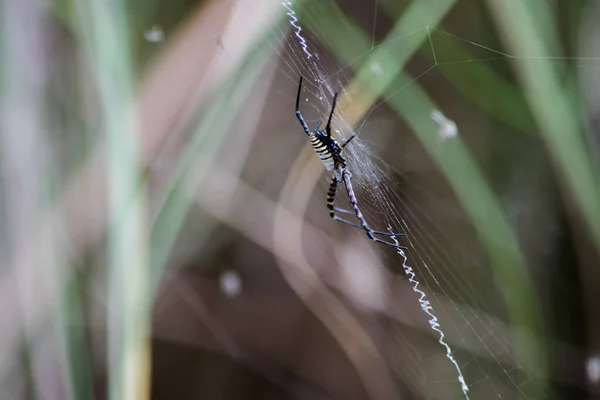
(507, 105)
(103, 29)
(406, 37)
(71, 329)
(552, 106)
(209, 134)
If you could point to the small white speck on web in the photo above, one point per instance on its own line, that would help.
(448, 128)
(155, 34)
(376, 68)
(593, 369)
(230, 283)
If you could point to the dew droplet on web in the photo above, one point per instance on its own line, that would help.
(155, 34)
(230, 283)
(593, 369)
(376, 68)
(448, 128)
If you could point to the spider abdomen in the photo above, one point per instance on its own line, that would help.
(323, 151)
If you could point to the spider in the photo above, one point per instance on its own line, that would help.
(330, 153)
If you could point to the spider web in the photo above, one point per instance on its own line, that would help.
(470, 350)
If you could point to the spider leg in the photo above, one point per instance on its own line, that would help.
(348, 141)
(331, 196)
(344, 221)
(332, 209)
(343, 211)
(330, 204)
(298, 113)
(394, 245)
(348, 183)
(319, 124)
(328, 127)
(364, 226)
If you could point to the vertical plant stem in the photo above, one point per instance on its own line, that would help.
(129, 282)
(26, 176)
(203, 145)
(72, 333)
(552, 105)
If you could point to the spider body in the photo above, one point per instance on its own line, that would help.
(330, 153)
(328, 150)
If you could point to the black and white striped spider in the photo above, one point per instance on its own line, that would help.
(330, 153)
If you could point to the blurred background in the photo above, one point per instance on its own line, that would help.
(164, 231)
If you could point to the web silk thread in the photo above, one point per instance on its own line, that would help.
(433, 321)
